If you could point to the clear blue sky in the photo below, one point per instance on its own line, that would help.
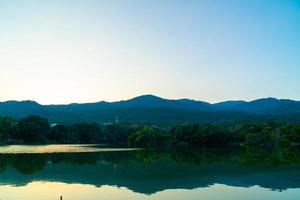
(60, 51)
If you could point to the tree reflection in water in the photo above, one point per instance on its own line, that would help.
(149, 171)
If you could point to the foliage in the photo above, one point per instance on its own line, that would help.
(35, 130)
(7, 128)
(146, 137)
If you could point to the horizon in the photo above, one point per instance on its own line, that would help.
(144, 95)
(81, 51)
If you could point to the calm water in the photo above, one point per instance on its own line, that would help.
(88, 172)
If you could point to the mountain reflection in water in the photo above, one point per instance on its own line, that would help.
(148, 172)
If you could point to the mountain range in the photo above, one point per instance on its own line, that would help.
(153, 109)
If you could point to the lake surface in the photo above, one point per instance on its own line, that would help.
(79, 172)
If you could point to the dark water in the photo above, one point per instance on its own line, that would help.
(29, 173)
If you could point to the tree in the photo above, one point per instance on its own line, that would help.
(146, 137)
(295, 137)
(185, 134)
(33, 129)
(85, 133)
(117, 134)
(7, 127)
(58, 134)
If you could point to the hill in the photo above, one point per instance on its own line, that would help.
(153, 109)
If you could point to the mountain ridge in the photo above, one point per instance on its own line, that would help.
(149, 108)
(150, 96)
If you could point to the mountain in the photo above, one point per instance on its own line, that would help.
(153, 109)
(156, 102)
(267, 106)
(227, 105)
(18, 108)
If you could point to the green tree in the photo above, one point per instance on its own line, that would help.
(58, 134)
(146, 137)
(33, 129)
(85, 133)
(7, 128)
(118, 134)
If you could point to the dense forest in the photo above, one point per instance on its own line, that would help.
(37, 130)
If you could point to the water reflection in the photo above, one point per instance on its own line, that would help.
(52, 190)
(148, 172)
(60, 148)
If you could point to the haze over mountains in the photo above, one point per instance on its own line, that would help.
(153, 109)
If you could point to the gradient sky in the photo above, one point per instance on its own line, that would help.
(61, 51)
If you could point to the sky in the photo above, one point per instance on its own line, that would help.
(63, 51)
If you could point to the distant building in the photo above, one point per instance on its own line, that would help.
(111, 123)
(52, 125)
(107, 123)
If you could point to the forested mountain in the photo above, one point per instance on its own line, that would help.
(153, 109)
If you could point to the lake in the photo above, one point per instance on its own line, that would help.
(89, 172)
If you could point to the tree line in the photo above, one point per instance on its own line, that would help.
(37, 130)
